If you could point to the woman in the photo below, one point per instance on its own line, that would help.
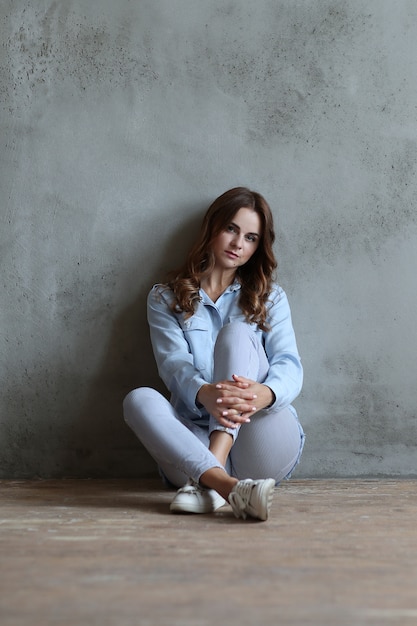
(225, 348)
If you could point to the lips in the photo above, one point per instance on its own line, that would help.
(232, 254)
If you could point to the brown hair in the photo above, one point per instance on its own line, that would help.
(255, 276)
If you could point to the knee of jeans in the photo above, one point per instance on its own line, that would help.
(231, 328)
(136, 398)
(237, 331)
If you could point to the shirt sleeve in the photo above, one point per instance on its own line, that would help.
(171, 350)
(285, 376)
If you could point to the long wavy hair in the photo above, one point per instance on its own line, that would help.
(255, 276)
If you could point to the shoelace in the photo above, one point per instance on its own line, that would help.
(191, 487)
(240, 499)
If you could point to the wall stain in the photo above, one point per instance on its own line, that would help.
(290, 78)
(45, 49)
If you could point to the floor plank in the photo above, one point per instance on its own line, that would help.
(334, 552)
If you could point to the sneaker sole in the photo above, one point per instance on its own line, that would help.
(267, 492)
(188, 507)
(264, 501)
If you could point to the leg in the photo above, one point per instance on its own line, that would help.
(218, 480)
(235, 347)
(237, 351)
(180, 448)
(270, 445)
(181, 453)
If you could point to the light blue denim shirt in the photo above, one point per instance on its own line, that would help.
(184, 349)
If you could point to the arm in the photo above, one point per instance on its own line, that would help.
(285, 376)
(172, 353)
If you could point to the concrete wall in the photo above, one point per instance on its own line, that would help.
(120, 122)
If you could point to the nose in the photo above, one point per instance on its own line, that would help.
(238, 241)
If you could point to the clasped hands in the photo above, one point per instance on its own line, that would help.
(233, 402)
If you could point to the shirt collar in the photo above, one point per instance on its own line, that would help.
(235, 286)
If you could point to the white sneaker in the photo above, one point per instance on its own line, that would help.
(193, 498)
(252, 497)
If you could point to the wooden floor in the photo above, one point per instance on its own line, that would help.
(86, 552)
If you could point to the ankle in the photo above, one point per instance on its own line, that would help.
(219, 480)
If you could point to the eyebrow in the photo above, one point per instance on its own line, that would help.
(238, 227)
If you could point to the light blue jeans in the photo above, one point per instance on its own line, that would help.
(270, 446)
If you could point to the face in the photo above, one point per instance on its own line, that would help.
(236, 243)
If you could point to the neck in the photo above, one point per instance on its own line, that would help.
(215, 284)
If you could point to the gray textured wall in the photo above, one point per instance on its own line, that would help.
(120, 122)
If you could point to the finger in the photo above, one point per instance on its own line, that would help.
(236, 401)
(238, 409)
(241, 379)
(227, 423)
(236, 417)
(241, 384)
(229, 385)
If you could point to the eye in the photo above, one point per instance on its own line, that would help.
(231, 228)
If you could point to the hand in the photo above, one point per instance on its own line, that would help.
(233, 402)
(263, 395)
(228, 402)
